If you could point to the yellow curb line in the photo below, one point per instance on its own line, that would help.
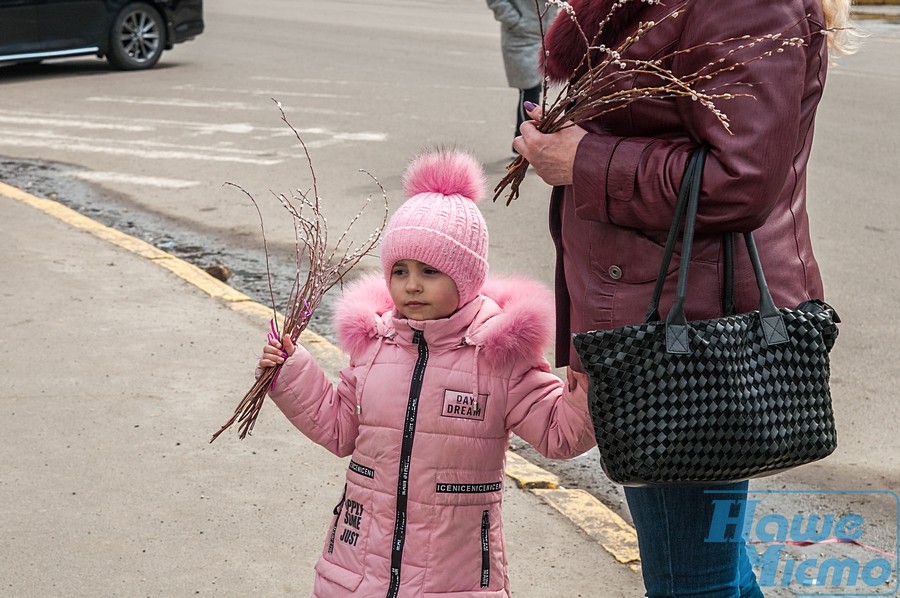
(584, 510)
(597, 520)
(527, 475)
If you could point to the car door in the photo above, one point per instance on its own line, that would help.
(73, 24)
(18, 27)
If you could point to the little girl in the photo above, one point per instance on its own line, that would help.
(443, 367)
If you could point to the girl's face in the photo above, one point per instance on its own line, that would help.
(421, 292)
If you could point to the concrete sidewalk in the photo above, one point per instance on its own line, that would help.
(115, 373)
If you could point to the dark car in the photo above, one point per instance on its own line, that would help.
(131, 35)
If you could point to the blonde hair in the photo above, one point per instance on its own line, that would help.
(843, 36)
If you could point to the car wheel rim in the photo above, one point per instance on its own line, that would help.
(140, 36)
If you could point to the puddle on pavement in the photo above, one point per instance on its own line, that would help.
(247, 266)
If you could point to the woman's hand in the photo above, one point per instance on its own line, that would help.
(275, 353)
(552, 156)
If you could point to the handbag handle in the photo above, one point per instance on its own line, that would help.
(677, 327)
(696, 158)
(728, 308)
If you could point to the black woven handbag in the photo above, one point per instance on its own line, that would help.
(711, 401)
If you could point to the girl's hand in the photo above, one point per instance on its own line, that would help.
(275, 353)
(576, 380)
(552, 156)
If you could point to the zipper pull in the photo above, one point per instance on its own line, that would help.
(358, 409)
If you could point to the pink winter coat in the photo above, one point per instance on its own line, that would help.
(425, 409)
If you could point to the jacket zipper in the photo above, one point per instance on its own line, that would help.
(337, 518)
(409, 433)
(485, 549)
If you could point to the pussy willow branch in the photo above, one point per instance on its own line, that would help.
(262, 227)
(322, 270)
(593, 90)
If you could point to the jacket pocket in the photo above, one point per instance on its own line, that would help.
(333, 574)
(346, 546)
(468, 533)
(492, 580)
(467, 543)
(626, 256)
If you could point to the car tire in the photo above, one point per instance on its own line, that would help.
(137, 37)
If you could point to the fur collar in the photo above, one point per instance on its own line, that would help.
(515, 322)
(565, 46)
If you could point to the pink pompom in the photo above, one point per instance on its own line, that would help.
(445, 171)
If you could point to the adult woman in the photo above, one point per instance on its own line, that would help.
(616, 180)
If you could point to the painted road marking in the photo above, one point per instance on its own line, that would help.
(148, 149)
(69, 122)
(99, 123)
(181, 103)
(133, 179)
(174, 102)
(136, 123)
(333, 82)
(261, 92)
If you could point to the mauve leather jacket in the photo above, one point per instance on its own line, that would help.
(610, 225)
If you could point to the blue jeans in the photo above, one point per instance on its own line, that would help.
(672, 525)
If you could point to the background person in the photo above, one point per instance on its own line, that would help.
(520, 43)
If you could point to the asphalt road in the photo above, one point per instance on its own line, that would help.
(367, 85)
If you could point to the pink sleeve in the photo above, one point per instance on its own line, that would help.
(542, 411)
(325, 414)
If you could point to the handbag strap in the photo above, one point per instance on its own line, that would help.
(697, 158)
(771, 318)
(728, 308)
(677, 328)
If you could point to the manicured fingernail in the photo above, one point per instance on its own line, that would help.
(529, 106)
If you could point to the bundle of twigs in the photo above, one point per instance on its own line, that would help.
(595, 89)
(323, 269)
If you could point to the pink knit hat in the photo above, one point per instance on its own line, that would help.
(439, 224)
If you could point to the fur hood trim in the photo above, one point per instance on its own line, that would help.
(523, 328)
(565, 44)
(515, 322)
(358, 315)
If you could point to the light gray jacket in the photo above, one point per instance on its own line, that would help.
(520, 39)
